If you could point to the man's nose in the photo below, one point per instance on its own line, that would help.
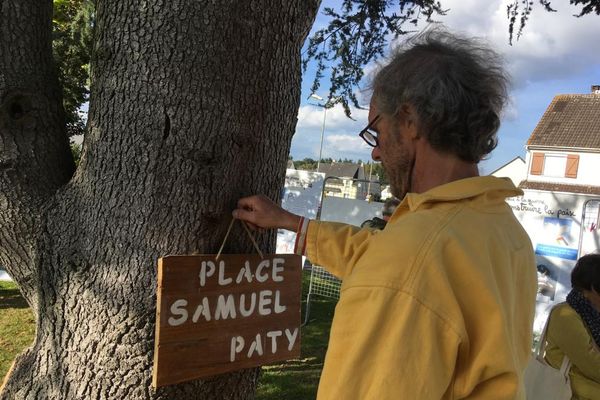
(375, 154)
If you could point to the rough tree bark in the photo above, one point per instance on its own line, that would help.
(193, 105)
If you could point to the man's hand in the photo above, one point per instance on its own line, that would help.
(260, 211)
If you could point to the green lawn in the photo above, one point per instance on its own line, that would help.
(17, 326)
(298, 379)
(291, 380)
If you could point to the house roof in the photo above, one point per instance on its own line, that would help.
(560, 187)
(342, 170)
(519, 158)
(570, 121)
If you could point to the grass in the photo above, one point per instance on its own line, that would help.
(298, 379)
(17, 326)
(291, 380)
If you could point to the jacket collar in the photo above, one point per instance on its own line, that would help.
(493, 187)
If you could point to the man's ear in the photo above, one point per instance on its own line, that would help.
(407, 118)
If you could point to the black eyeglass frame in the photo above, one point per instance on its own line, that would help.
(370, 134)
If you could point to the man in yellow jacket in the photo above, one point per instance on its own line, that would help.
(440, 304)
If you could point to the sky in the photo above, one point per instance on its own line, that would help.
(557, 54)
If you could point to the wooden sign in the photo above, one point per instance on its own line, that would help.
(216, 316)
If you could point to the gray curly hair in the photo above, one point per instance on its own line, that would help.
(458, 87)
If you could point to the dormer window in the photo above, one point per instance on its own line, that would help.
(554, 165)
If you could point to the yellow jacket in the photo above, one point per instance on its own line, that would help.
(568, 335)
(438, 305)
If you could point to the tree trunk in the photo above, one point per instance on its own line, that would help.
(193, 105)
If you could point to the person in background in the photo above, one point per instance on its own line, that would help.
(574, 330)
(440, 304)
(386, 212)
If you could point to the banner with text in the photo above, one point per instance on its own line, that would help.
(562, 227)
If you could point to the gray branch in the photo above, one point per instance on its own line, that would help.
(34, 153)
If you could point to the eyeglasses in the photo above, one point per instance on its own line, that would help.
(368, 135)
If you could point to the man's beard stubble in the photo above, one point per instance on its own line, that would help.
(400, 176)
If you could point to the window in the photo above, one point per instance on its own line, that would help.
(555, 165)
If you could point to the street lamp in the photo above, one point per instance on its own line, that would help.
(325, 106)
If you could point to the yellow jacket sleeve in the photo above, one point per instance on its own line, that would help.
(336, 246)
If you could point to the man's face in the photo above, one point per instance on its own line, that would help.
(395, 150)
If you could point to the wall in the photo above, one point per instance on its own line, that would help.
(516, 170)
(562, 227)
(349, 211)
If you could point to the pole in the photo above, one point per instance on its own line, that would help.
(322, 134)
(370, 174)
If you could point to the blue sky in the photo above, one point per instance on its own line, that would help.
(558, 54)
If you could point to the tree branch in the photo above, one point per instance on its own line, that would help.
(344, 53)
(35, 159)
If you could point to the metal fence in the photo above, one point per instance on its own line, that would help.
(322, 283)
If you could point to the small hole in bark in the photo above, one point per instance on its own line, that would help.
(17, 106)
(167, 128)
(16, 110)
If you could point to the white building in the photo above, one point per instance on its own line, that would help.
(560, 208)
(348, 180)
(563, 152)
(515, 169)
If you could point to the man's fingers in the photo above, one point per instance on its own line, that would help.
(245, 202)
(253, 227)
(261, 212)
(244, 215)
(253, 202)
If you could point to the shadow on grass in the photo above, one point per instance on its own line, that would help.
(298, 379)
(17, 325)
(295, 379)
(10, 296)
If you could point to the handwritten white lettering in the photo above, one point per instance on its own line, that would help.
(177, 309)
(244, 273)
(291, 337)
(230, 306)
(260, 273)
(225, 308)
(278, 308)
(256, 346)
(277, 269)
(222, 280)
(264, 300)
(274, 335)
(237, 345)
(207, 269)
(202, 309)
(246, 312)
(256, 343)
